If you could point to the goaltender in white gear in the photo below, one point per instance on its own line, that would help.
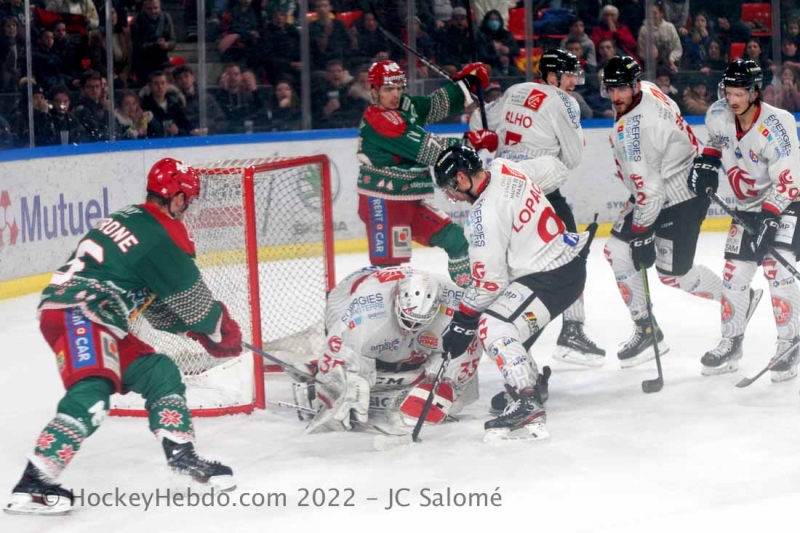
(543, 119)
(526, 270)
(384, 348)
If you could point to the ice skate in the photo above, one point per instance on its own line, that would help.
(575, 347)
(639, 348)
(523, 419)
(183, 460)
(501, 400)
(34, 494)
(788, 351)
(724, 358)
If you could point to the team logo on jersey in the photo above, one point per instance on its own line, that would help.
(741, 183)
(782, 311)
(81, 339)
(571, 239)
(738, 153)
(765, 132)
(478, 270)
(511, 172)
(377, 218)
(354, 323)
(401, 241)
(110, 352)
(727, 310)
(335, 344)
(447, 311)
(753, 156)
(428, 339)
(535, 99)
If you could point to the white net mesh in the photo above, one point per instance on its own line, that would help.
(292, 273)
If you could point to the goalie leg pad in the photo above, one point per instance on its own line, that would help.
(411, 407)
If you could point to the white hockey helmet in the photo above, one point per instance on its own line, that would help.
(417, 300)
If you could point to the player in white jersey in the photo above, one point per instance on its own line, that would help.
(654, 149)
(756, 145)
(526, 270)
(383, 349)
(542, 119)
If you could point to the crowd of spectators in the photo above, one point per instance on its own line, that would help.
(256, 44)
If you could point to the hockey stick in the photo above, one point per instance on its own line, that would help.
(296, 373)
(474, 42)
(748, 228)
(745, 382)
(429, 401)
(398, 42)
(652, 385)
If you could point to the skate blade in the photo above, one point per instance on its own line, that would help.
(566, 354)
(781, 376)
(23, 504)
(727, 368)
(532, 432)
(648, 355)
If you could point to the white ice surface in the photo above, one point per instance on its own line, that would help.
(701, 455)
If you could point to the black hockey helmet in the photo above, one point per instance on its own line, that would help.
(451, 161)
(742, 73)
(560, 61)
(621, 72)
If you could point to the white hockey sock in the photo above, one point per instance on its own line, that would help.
(785, 295)
(517, 366)
(735, 295)
(575, 312)
(699, 281)
(629, 280)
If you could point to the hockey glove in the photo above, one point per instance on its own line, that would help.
(643, 249)
(704, 174)
(345, 396)
(459, 334)
(474, 74)
(767, 229)
(227, 342)
(482, 139)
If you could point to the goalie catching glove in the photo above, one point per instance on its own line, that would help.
(345, 396)
(226, 341)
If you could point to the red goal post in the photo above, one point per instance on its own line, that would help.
(263, 231)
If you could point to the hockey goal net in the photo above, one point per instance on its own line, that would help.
(263, 231)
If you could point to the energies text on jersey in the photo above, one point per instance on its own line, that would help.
(513, 231)
(763, 164)
(368, 327)
(532, 119)
(654, 149)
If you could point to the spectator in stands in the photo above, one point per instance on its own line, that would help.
(242, 42)
(611, 28)
(605, 51)
(480, 8)
(122, 48)
(793, 30)
(789, 54)
(676, 12)
(696, 97)
(588, 51)
(42, 125)
(92, 109)
(442, 13)
(13, 8)
(48, 68)
(281, 47)
(789, 98)
(132, 121)
(152, 36)
(236, 104)
(372, 44)
(284, 107)
(664, 82)
(328, 98)
(12, 55)
(665, 37)
(456, 46)
(735, 30)
(65, 50)
(259, 105)
(185, 80)
(329, 37)
(505, 46)
(63, 119)
(714, 61)
(76, 7)
(167, 108)
(695, 42)
(6, 137)
(359, 96)
(754, 52)
(425, 46)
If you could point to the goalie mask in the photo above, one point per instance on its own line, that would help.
(169, 176)
(417, 301)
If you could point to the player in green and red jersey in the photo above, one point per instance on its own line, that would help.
(139, 255)
(395, 153)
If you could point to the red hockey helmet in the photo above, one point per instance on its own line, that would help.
(386, 73)
(169, 176)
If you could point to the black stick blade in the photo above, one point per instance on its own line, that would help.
(652, 385)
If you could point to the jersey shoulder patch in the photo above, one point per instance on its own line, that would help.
(535, 99)
(388, 123)
(174, 228)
